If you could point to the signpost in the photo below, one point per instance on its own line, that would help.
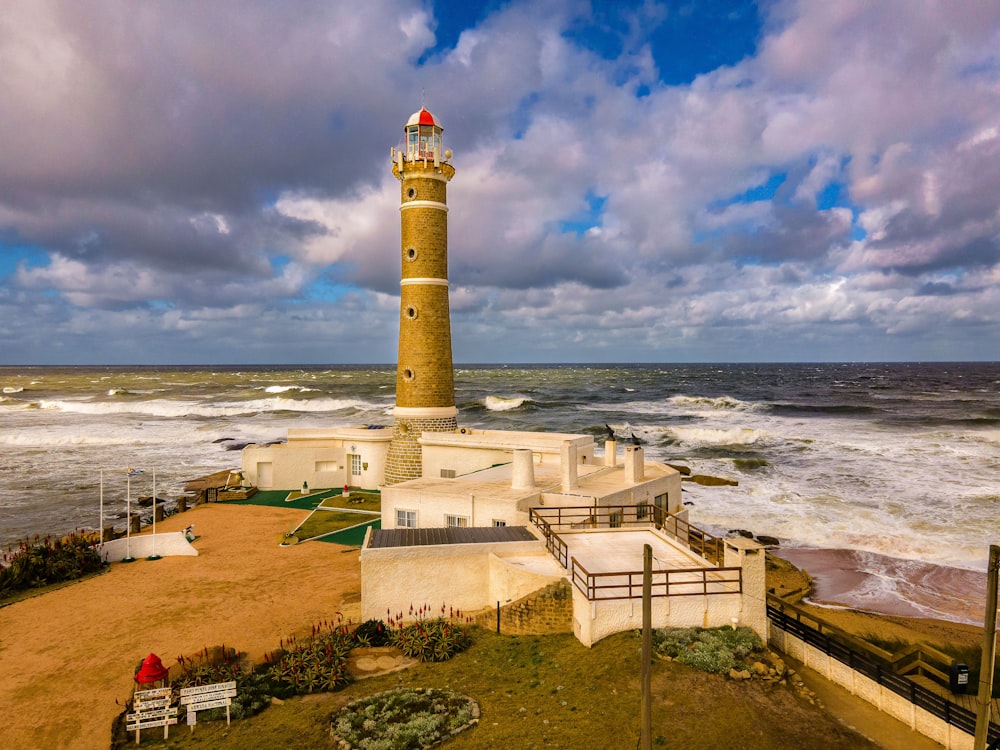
(151, 709)
(204, 697)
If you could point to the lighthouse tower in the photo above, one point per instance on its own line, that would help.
(425, 386)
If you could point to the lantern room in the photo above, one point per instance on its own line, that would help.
(423, 137)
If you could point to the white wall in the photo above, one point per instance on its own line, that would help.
(171, 544)
(432, 506)
(469, 577)
(864, 687)
(296, 462)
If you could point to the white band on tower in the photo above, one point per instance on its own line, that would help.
(424, 280)
(424, 204)
(425, 412)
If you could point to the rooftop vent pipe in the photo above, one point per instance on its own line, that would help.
(524, 470)
(568, 466)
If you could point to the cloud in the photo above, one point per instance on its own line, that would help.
(194, 173)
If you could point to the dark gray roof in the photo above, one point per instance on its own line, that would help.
(450, 535)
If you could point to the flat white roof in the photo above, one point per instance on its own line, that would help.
(361, 433)
(466, 437)
(616, 551)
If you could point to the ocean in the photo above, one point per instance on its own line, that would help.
(895, 466)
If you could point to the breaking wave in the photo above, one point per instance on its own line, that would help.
(709, 436)
(721, 402)
(12, 389)
(286, 388)
(496, 403)
(165, 408)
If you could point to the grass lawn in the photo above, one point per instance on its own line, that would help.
(357, 500)
(325, 521)
(551, 692)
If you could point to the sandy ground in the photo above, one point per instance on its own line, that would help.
(67, 657)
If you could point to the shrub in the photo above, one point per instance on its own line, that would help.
(404, 719)
(371, 633)
(316, 664)
(41, 562)
(430, 640)
(713, 650)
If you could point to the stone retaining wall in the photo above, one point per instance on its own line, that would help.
(549, 610)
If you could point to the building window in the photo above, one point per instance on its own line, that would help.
(406, 519)
(355, 465)
(498, 524)
(641, 511)
(447, 473)
(456, 522)
(615, 519)
(660, 501)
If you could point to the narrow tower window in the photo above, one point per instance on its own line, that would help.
(407, 374)
(411, 313)
(411, 193)
(411, 253)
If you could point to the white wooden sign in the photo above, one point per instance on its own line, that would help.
(202, 689)
(143, 695)
(152, 709)
(162, 722)
(204, 697)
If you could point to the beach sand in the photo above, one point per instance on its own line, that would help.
(67, 656)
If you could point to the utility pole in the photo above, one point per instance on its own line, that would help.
(989, 652)
(645, 714)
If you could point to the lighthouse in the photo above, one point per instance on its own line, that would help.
(425, 386)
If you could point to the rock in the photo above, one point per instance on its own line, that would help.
(769, 541)
(741, 532)
(746, 674)
(735, 674)
(760, 667)
(709, 481)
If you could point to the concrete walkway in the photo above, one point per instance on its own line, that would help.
(861, 715)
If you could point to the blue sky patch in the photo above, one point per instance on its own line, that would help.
(13, 255)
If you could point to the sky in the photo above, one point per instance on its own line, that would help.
(184, 182)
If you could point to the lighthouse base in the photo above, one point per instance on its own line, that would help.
(404, 460)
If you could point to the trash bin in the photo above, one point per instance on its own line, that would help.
(958, 678)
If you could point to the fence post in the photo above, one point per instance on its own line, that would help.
(989, 652)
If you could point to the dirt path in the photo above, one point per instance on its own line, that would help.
(68, 655)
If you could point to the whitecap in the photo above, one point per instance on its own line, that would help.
(12, 389)
(286, 388)
(175, 408)
(712, 436)
(721, 402)
(496, 403)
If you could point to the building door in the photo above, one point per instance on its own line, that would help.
(265, 474)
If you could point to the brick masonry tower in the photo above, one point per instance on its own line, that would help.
(425, 385)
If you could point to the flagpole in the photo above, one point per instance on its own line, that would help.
(128, 516)
(100, 526)
(154, 556)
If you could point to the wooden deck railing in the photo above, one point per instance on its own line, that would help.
(628, 584)
(579, 518)
(674, 582)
